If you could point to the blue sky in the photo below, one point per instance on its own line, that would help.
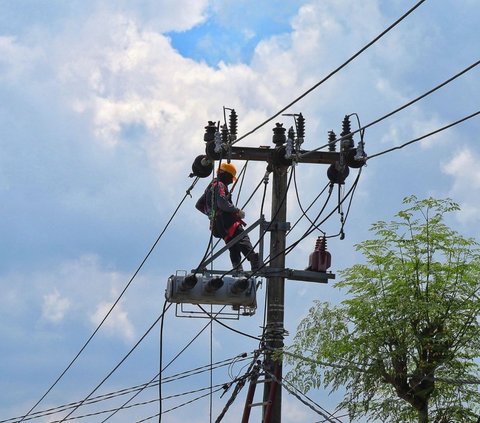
(102, 111)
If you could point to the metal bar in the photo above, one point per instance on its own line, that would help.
(229, 244)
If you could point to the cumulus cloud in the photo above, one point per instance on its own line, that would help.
(117, 323)
(16, 58)
(54, 306)
(463, 168)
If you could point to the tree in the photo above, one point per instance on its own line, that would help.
(405, 343)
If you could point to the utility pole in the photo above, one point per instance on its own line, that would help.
(279, 159)
(274, 330)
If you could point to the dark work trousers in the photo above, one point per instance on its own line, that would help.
(243, 246)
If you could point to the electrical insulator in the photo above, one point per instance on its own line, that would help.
(279, 137)
(233, 125)
(213, 285)
(188, 283)
(300, 129)
(347, 142)
(289, 147)
(239, 286)
(210, 130)
(320, 260)
(332, 145)
(218, 142)
(224, 134)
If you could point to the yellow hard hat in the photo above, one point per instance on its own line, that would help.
(229, 168)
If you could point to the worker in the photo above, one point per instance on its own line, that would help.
(226, 219)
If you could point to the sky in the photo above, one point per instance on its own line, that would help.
(103, 106)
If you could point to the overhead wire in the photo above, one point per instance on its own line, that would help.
(358, 53)
(160, 363)
(313, 227)
(168, 365)
(179, 406)
(320, 411)
(138, 404)
(398, 109)
(151, 383)
(304, 212)
(219, 387)
(118, 365)
(238, 387)
(443, 128)
(188, 191)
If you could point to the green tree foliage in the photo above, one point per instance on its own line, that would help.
(405, 343)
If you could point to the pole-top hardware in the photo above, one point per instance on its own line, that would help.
(279, 137)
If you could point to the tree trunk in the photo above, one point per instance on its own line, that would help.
(423, 413)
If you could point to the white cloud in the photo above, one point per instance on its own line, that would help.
(465, 188)
(117, 323)
(167, 15)
(55, 306)
(15, 58)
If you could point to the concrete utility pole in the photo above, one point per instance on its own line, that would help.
(279, 160)
(274, 330)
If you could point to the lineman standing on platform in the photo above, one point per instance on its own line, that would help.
(226, 219)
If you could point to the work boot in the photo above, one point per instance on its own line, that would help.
(254, 261)
(237, 268)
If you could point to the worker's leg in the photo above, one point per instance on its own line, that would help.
(246, 248)
(236, 258)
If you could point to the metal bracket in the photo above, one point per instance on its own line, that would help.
(299, 275)
(276, 226)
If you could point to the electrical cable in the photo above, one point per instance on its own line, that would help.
(467, 69)
(211, 364)
(168, 379)
(289, 249)
(338, 417)
(226, 326)
(158, 374)
(160, 364)
(320, 412)
(307, 398)
(113, 306)
(138, 404)
(443, 128)
(238, 387)
(358, 53)
(242, 174)
(118, 365)
(179, 406)
(304, 212)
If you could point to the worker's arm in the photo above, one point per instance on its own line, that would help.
(202, 204)
(222, 200)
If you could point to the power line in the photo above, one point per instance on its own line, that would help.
(179, 406)
(358, 53)
(324, 413)
(138, 404)
(411, 102)
(118, 365)
(113, 306)
(171, 361)
(443, 128)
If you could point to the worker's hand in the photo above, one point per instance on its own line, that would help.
(241, 214)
